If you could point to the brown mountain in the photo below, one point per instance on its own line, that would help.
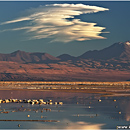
(26, 57)
(109, 64)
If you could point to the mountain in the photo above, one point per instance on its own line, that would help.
(118, 51)
(65, 57)
(26, 57)
(109, 64)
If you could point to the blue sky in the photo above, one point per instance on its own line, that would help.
(62, 27)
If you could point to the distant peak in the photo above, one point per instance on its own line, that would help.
(17, 51)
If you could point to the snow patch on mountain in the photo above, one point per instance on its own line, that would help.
(128, 43)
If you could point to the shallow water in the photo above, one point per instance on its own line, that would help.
(79, 111)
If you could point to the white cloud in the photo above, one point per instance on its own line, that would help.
(51, 21)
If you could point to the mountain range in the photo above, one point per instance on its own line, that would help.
(26, 57)
(109, 64)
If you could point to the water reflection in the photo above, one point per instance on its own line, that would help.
(67, 124)
(79, 111)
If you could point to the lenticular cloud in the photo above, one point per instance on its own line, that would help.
(53, 21)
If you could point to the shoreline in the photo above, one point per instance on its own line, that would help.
(102, 88)
(101, 92)
(65, 82)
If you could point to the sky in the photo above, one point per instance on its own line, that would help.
(58, 27)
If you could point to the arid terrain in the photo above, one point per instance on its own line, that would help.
(59, 72)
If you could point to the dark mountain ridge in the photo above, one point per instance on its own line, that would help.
(65, 57)
(118, 51)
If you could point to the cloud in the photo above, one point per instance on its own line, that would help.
(51, 21)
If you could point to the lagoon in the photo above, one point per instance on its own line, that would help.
(79, 110)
